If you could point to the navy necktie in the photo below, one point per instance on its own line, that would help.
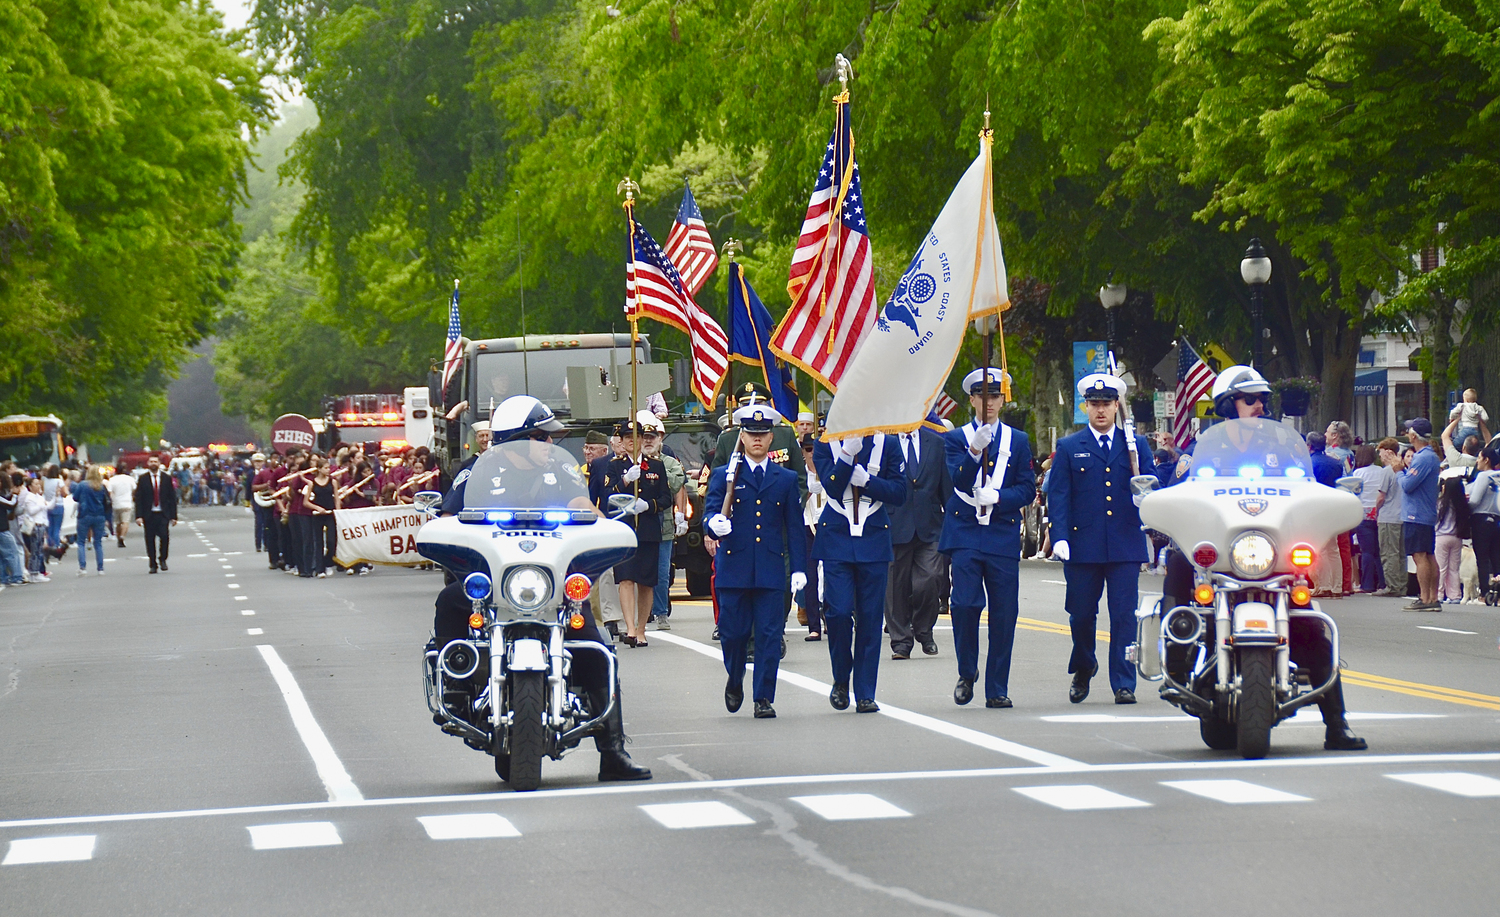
(1104, 444)
(758, 474)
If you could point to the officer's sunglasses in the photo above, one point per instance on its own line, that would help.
(1261, 398)
(539, 436)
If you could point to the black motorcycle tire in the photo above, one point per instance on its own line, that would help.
(528, 732)
(1257, 707)
(1218, 734)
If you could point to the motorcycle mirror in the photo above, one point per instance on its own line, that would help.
(427, 500)
(620, 501)
(1351, 484)
(1143, 484)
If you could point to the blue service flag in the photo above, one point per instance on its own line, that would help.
(750, 327)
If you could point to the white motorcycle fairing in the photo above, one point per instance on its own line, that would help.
(489, 548)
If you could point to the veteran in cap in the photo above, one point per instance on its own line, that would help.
(752, 543)
(1096, 533)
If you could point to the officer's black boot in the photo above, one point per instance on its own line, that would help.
(1337, 736)
(614, 763)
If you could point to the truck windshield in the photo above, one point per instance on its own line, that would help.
(544, 376)
(1252, 448)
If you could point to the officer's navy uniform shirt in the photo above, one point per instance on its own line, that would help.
(1089, 501)
(766, 527)
(833, 540)
(961, 529)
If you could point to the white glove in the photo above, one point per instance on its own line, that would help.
(1137, 498)
(986, 496)
(638, 507)
(799, 581)
(814, 486)
(851, 446)
(982, 438)
(633, 473)
(1060, 550)
(680, 527)
(860, 477)
(719, 524)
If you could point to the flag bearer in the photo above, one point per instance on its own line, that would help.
(990, 464)
(859, 476)
(1096, 533)
(753, 544)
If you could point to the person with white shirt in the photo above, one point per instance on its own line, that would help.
(1096, 532)
(122, 500)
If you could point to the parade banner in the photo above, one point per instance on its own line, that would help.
(379, 535)
(956, 276)
(1089, 357)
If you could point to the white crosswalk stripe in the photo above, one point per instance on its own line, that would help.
(294, 834)
(50, 850)
(1233, 791)
(1474, 786)
(850, 806)
(465, 827)
(697, 815)
(1079, 797)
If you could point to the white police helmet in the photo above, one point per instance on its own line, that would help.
(1236, 380)
(520, 416)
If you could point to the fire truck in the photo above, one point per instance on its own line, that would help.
(378, 421)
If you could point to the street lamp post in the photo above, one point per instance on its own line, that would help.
(1111, 297)
(1255, 269)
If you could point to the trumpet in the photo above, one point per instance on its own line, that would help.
(346, 491)
(417, 479)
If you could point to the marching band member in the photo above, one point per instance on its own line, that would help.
(1096, 532)
(859, 476)
(319, 496)
(990, 466)
(750, 547)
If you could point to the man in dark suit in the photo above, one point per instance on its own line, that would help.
(911, 596)
(156, 510)
(751, 551)
(989, 464)
(860, 476)
(1096, 532)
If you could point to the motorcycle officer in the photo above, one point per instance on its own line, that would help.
(524, 417)
(1097, 534)
(750, 577)
(1241, 393)
(990, 466)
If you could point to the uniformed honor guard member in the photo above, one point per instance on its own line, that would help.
(1096, 532)
(990, 464)
(646, 479)
(859, 476)
(750, 556)
(784, 449)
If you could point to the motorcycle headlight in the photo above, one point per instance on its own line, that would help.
(1252, 555)
(528, 588)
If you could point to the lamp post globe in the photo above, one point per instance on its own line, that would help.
(1255, 270)
(1111, 297)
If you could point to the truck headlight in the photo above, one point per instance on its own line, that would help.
(1252, 555)
(528, 588)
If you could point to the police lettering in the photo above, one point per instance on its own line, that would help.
(1251, 492)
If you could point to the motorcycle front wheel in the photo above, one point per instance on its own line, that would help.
(1217, 734)
(528, 736)
(1257, 707)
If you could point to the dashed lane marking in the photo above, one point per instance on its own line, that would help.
(943, 727)
(1474, 786)
(699, 786)
(1080, 797)
(697, 815)
(1448, 630)
(49, 850)
(254, 631)
(850, 807)
(294, 834)
(1235, 792)
(467, 827)
(247, 612)
(331, 770)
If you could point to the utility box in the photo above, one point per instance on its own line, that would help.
(592, 398)
(417, 412)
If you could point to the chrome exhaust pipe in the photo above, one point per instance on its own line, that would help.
(1182, 626)
(459, 660)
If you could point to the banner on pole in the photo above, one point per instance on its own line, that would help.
(379, 535)
(1088, 357)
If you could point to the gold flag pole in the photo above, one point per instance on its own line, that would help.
(987, 470)
(629, 188)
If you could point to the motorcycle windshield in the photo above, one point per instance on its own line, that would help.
(526, 474)
(1251, 449)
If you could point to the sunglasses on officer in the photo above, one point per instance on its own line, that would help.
(1256, 398)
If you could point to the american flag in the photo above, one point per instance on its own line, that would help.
(689, 245)
(453, 353)
(1194, 380)
(831, 284)
(944, 405)
(654, 289)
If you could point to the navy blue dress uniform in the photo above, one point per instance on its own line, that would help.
(1091, 510)
(750, 565)
(608, 476)
(985, 548)
(856, 558)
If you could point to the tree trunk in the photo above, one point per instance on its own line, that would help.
(1049, 378)
(1441, 379)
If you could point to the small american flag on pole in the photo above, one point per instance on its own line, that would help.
(453, 353)
(944, 406)
(689, 245)
(654, 289)
(1194, 380)
(831, 280)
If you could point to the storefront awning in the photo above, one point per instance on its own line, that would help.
(1370, 383)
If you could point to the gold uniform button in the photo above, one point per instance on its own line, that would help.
(1108, 512)
(1106, 469)
(1107, 499)
(757, 512)
(757, 502)
(757, 538)
(1109, 483)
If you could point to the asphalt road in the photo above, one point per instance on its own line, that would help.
(222, 739)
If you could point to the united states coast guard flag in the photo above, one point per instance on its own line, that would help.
(956, 276)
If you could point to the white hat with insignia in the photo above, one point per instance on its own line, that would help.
(1101, 387)
(974, 381)
(757, 418)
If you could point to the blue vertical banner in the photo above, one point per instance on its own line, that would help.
(1088, 357)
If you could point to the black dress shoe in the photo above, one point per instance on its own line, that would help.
(998, 703)
(866, 706)
(963, 692)
(764, 710)
(164, 566)
(1342, 738)
(897, 654)
(839, 697)
(929, 646)
(152, 570)
(734, 695)
(617, 766)
(1079, 689)
(1124, 696)
(715, 636)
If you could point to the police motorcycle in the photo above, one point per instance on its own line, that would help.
(1249, 516)
(527, 544)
